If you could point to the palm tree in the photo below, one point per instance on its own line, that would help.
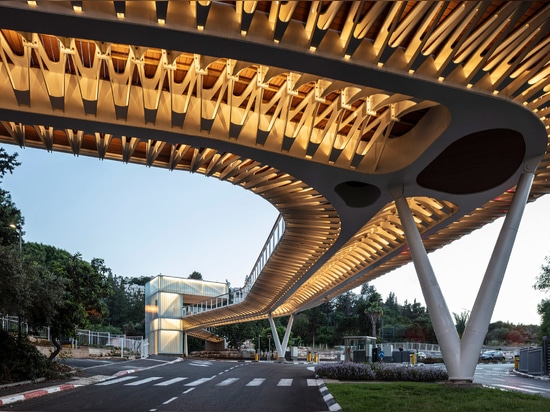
(375, 312)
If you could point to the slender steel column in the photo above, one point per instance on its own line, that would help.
(461, 356)
(287, 333)
(442, 321)
(480, 317)
(276, 339)
(185, 347)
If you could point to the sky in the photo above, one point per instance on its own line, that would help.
(148, 221)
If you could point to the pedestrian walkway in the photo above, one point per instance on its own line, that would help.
(157, 381)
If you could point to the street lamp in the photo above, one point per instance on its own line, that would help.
(18, 228)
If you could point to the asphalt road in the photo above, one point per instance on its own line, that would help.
(501, 376)
(158, 385)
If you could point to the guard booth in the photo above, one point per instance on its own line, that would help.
(359, 349)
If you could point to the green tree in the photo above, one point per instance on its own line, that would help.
(195, 275)
(375, 312)
(238, 333)
(543, 280)
(83, 290)
(460, 321)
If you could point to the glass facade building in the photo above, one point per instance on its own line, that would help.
(166, 297)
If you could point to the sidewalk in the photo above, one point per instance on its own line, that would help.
(21, 391)
(27, 390)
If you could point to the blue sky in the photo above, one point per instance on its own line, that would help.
(148, 221)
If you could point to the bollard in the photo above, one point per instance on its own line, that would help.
(256, 357)
(413, 359)
(316, 358)
(309, 356)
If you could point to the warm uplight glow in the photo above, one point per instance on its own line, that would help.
(151, 309)
(380, 64)
(77, 9)
(243, 32)
(469, 85)
(161, 21)
(31, 3)
(347, 56)
(120, 15)
(312, 48)
(201, 28)
(411, 71)
(441, 78)
(276, 41)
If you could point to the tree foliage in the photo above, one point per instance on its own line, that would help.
(195, 275)
(74, 291)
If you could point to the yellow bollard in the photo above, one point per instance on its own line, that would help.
(256, 357)
(276, 356)
(309, 356)
(413, 358)
(316, 358)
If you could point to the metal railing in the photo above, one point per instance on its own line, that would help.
(11, 324)
(132, 344)
(238, 295)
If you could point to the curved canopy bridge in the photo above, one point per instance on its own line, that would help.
(380, 130)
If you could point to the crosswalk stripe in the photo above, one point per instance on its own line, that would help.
(198, 382)
(146, 380)
(227, 382)
(256, 382)
(170, 382)
(110, 382)
(312, 382)
(517, 388)
(285, 382)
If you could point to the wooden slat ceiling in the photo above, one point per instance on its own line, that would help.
(316, 106)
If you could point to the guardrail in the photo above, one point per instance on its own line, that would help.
(238, 295)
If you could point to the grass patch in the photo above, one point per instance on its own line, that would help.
(437, 397)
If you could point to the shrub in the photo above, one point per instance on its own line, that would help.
(21, 361)
(380, 372)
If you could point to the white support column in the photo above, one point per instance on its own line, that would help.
(185, 347)
(461, 356)
(276, 339)
(480, 317)
(287, 333)
(442, 320)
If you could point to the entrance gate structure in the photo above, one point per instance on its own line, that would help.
(381, 131)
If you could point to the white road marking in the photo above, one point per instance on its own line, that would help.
(170, 400)
(170, 382)
(198, 382)
(537, 388)
(227, 382)
(124, 378)
(285, 382)
(517, 388)
(256, 382)
(146, 380)
(312, 382)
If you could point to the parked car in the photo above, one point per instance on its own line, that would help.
(421, 356)
(493, 355)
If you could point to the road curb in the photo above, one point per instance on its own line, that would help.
(328, 398)
(36, 393)
(542, 378)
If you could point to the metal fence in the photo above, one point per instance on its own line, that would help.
(130, 344)
(531, 361)
(11, 324)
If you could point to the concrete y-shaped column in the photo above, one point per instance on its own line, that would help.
(278, 346)
(461, 356)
